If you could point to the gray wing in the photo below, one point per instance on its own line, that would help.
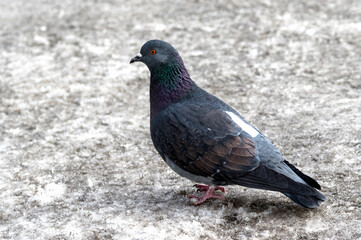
(204, 142)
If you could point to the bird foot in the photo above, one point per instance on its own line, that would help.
(208, 193)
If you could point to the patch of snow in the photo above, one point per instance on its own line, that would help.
(49, 193)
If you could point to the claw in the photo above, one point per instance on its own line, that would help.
(208, 193)
(201, 187)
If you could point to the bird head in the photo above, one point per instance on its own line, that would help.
(155, 53)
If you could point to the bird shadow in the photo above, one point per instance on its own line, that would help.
(264, 208)
(160, 202)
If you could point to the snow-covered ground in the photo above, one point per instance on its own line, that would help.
(76, 158)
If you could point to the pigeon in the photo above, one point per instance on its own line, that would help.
(205, 140)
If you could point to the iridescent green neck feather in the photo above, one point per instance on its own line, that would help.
(169, 83)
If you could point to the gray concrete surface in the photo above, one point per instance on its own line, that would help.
(76, 159)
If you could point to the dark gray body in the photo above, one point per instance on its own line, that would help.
(261, 166)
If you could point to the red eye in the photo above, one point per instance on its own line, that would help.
(152, 51)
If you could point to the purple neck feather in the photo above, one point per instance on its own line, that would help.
(169, 83)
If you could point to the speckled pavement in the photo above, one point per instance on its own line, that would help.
(76, 158)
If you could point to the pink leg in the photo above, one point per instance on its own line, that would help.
(208, 193)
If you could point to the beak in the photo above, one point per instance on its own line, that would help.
(137, 58)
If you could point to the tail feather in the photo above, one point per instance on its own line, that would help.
(306, 200)
(268, 179)
(310, 181)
